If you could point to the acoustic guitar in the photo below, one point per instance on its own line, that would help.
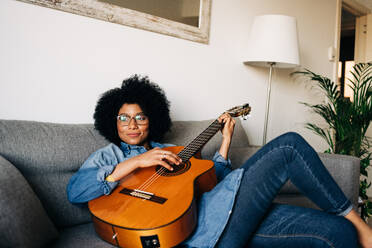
(156, 207)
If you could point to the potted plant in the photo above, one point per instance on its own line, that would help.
(347, 122)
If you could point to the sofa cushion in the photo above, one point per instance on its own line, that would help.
(24, 223)
(47, 155)
(82, 236)
(238, 155)
(295, 200)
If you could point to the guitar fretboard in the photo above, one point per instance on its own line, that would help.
(195, 145)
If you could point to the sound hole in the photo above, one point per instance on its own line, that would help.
(177, 169)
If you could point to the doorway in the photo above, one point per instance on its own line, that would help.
(347, 51)
(354, 46)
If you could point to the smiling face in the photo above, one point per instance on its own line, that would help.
(133, 125)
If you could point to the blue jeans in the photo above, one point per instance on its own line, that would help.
(256, 222)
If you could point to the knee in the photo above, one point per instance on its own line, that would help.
(291, 137)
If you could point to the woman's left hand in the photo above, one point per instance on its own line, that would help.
(228, 125)
(227, 132)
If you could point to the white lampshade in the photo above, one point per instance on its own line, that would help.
(273, 38)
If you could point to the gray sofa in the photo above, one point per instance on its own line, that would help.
(37, 159)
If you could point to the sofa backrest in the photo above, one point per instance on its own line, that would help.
(47, 155)
(183, 132)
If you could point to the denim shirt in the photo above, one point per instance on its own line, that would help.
(214, 207)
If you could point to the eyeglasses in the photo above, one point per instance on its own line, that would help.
(140, 119)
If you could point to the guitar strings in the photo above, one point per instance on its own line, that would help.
(202, 138)
(156, 175)
(195, 145)
(151, 179)
(161, 171)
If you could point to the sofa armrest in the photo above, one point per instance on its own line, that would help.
(346, 172)
(344, 169)
(24, 222)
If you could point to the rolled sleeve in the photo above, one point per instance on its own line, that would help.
(102, 173)
(89, 182)
(222, 166)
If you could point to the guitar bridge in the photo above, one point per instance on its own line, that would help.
(143, 195)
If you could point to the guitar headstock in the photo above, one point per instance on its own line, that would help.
(242, 110)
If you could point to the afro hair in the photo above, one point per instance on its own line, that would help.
(134, 90)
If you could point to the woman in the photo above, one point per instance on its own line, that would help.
(239, 210)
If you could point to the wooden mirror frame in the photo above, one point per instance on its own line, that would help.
(117, 14)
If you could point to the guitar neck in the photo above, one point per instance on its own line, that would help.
(194, 146)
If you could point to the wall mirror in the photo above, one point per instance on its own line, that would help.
(186, 19)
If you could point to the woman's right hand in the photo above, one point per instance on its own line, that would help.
(157, 156)
(154, 157)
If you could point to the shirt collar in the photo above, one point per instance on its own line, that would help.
(126, 148)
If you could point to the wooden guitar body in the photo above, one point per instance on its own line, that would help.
(154, 207)
(161, 212)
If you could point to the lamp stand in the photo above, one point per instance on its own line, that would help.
(268, 102)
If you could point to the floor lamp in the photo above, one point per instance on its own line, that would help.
(273, 43)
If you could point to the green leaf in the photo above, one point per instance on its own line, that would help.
(346, 121)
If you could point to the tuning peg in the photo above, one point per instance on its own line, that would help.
(245, 117)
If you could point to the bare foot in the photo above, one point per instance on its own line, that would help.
(366, 242)
(366, 239)
(364, 231)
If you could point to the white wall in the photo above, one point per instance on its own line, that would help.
(363, 53)
(54, 65)
(367, 49)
